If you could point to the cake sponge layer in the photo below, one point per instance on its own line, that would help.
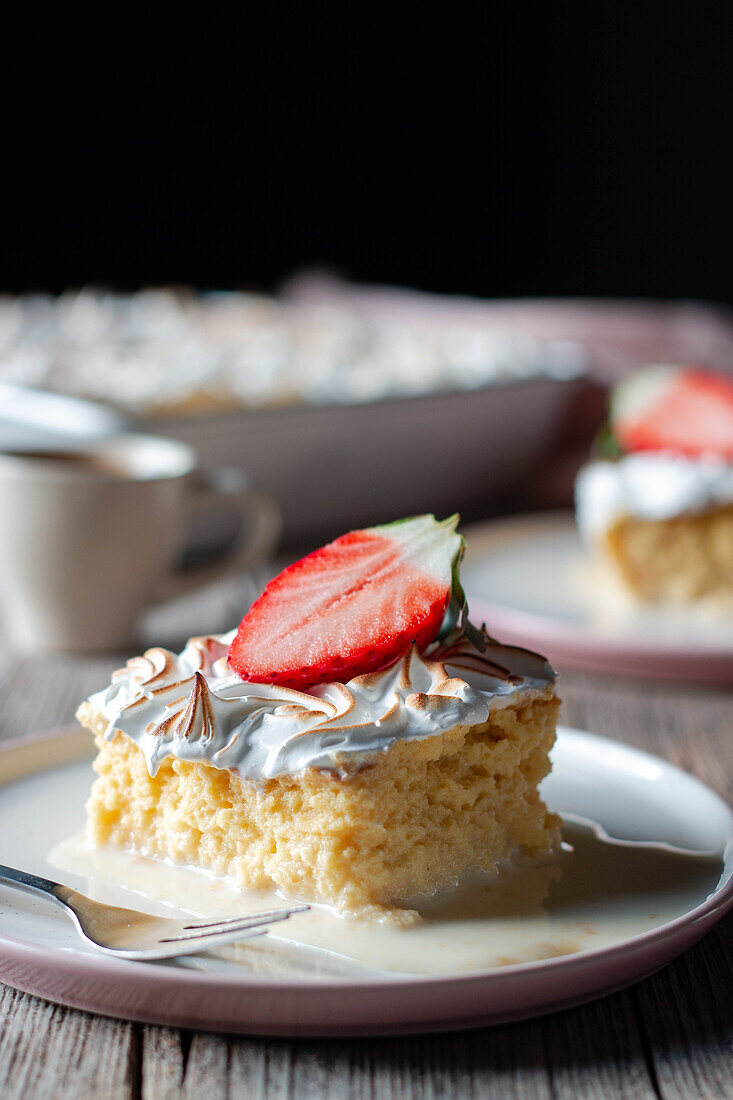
(677, 560)
(410, 821)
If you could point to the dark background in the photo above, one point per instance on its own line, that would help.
(577, 149)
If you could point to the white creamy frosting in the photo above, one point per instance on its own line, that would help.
(654, 486)
(194, 707)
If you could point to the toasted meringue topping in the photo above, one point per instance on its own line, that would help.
(194, 707)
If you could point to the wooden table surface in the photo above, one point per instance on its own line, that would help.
(669, 1036)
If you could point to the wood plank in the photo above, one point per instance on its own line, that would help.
(51, 1052)
(207, 1069)
(32, 702)
(687, 1012)
(163, 1063)
(500, 1063)
(597, 1050)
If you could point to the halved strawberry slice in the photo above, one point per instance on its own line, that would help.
(353, 606)
(685, 410)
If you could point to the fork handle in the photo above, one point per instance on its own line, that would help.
(33, 884)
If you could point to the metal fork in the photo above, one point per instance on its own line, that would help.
(128, 934)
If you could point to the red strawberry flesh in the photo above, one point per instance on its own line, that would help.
(690, 414)
(352, 607)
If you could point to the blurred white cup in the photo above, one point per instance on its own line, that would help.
(89, 537)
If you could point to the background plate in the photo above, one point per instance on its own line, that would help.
(528, 578)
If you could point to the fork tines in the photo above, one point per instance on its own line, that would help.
(236, 924)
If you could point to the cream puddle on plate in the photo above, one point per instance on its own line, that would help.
(596, 893)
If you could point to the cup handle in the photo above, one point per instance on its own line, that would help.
(257, 535)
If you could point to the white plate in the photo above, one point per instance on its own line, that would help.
(634, 797)
(529, 579)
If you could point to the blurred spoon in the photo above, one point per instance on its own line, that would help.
(36, 420)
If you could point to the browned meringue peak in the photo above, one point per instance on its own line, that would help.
(194, 707)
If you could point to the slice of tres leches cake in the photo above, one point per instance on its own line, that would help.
(355, 743)
(655, 505)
